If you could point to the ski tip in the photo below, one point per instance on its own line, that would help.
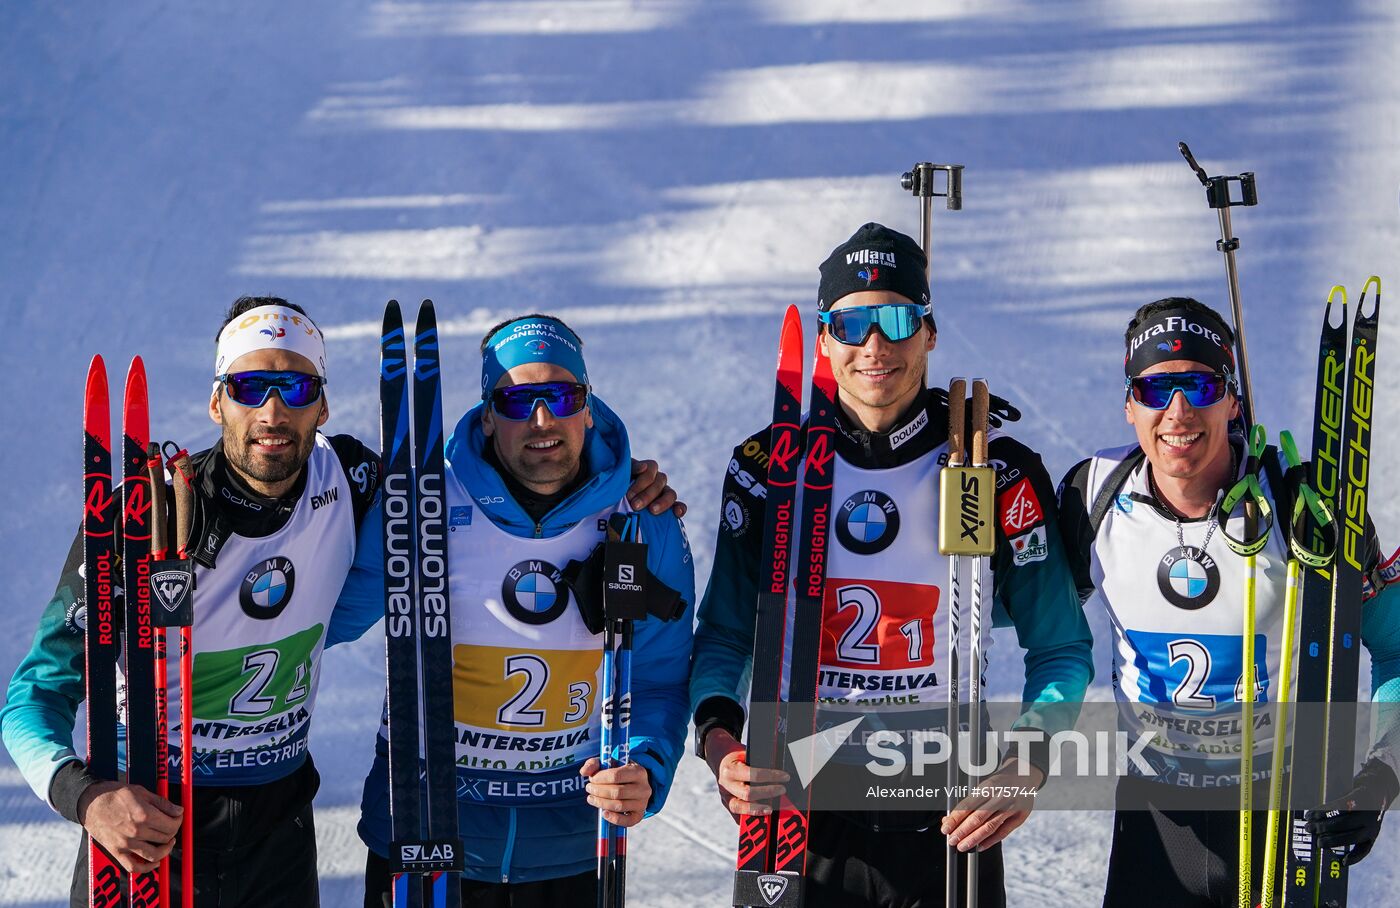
(97, 374)
(1372, 281)
(136, 373)
(391, 307)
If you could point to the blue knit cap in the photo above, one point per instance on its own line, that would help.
(532, 339)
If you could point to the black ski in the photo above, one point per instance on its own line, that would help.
(417, 619)
(1315, 601)
(1345, 651)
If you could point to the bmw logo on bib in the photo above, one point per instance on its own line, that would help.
(1188, 577)
(535, 592)
(267, 588)
(868, 522)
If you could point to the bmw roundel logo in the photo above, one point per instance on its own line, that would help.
(867, 522)
(535, 592)
(267, 588)
(1188, 577)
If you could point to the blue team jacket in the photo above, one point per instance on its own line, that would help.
(523, 844)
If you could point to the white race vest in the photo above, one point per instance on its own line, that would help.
(260, 621)
(884, 626)
(525, 669)
(1178, 625)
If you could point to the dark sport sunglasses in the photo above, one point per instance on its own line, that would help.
(1201, 389)
(852, 326)
(251, 389)
(518, 402)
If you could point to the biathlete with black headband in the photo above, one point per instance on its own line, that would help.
(1144, 534)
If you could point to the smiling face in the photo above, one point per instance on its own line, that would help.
(1182, 442)
(880, 378)
(542, 452)
(268, 445)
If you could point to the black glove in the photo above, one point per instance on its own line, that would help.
(999, 409)
(1354, 819)
(586, 580)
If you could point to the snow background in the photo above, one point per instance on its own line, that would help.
(666, 175)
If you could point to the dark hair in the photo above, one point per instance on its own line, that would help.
(1147, 312)
(244, 303)
(486, 338)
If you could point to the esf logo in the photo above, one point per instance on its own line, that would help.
(267, 588)
(868, 522)
(746, 480)
(534, 592)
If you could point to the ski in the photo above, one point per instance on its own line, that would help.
(1315, 598)
(417, 621)
(1344, 655)
(754, 874)
(101, 634)
(783, 887)
(141, 713)
(434, 610)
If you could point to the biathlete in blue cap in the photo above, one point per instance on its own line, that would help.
(533, 474)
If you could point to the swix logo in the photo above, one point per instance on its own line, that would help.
(784, 449)
(274, 333)
(1021, 509)
(870, 257)
(969, 494)
(772, 886)
(869, 275)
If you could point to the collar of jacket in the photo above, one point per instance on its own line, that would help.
(607, 463)
(922, 427)
(224, 505)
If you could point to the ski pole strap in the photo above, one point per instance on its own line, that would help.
(1312, 536)
(1248, 489)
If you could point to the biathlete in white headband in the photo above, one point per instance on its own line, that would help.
(283, 518)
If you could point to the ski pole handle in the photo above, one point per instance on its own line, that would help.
(957, 420)
(980, 403)
(160, 536)
(183, 490)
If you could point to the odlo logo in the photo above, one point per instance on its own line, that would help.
(969, 494)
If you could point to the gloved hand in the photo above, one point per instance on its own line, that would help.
(1354, 820)
(999, 409)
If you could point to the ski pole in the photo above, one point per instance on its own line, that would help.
(617, 712)
(1218, 197)
(160, 544)
(947, 536)
(1247, 491)
(1311, 520)
(982, 471)
(183, 489)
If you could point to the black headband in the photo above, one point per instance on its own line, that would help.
(1175, 334)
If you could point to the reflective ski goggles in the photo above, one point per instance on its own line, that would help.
(1201, 389)
(518, 402)
(251, 389)
(852, 326)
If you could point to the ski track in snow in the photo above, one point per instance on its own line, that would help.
(666, 174)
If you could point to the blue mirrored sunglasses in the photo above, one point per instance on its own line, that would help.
(1200, 389)
(251, 389)
(518, 402)
(852, 326)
